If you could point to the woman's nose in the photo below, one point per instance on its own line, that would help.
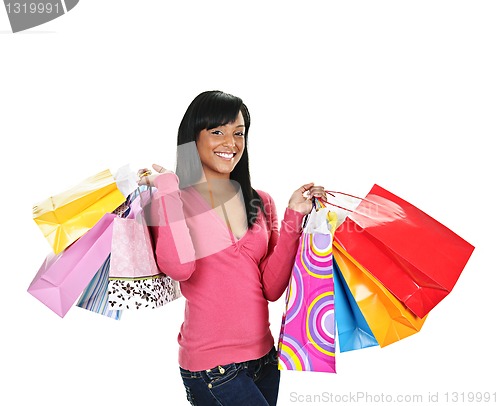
(229, 140)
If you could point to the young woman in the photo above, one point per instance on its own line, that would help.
(219, 237)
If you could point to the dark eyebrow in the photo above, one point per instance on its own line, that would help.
(241, 125)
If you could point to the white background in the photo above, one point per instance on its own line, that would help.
(345, 94)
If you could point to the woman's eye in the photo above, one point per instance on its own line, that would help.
(216, 132)
(240, 134)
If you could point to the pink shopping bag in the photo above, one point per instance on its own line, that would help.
(307, 338)
(135, 282)
(63, 277)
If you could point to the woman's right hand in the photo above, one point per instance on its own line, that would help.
(149, 179)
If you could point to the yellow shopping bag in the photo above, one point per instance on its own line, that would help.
(389, 319)
(67, 216)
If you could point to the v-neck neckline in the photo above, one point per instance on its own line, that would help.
(234, 239)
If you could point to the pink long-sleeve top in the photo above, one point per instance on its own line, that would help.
(226, 282)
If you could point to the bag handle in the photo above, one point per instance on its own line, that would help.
(316, 201)
(332, 193)
(148, 189)
(335, 205)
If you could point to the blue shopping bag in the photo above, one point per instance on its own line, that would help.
(95, 296)
(353, 330)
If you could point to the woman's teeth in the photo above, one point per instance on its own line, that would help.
(224, 155)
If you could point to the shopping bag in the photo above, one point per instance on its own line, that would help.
(65, 217)
(135, 282)
(307, 337)
(126, 180)
(388, 318)
(414, 256)
(354, 333)
(63, 277)
(95, 295)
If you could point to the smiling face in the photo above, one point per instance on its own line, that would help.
(220, 148)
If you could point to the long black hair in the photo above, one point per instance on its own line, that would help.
(208, 110)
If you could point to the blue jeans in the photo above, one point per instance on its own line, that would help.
(252, 383)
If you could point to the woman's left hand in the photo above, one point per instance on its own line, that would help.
(301, 199)
(147, 177)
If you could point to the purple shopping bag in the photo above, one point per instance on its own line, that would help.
(63, 277)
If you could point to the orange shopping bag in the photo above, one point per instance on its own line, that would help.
(389, 319)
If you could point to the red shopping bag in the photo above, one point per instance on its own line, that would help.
(415, 257)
